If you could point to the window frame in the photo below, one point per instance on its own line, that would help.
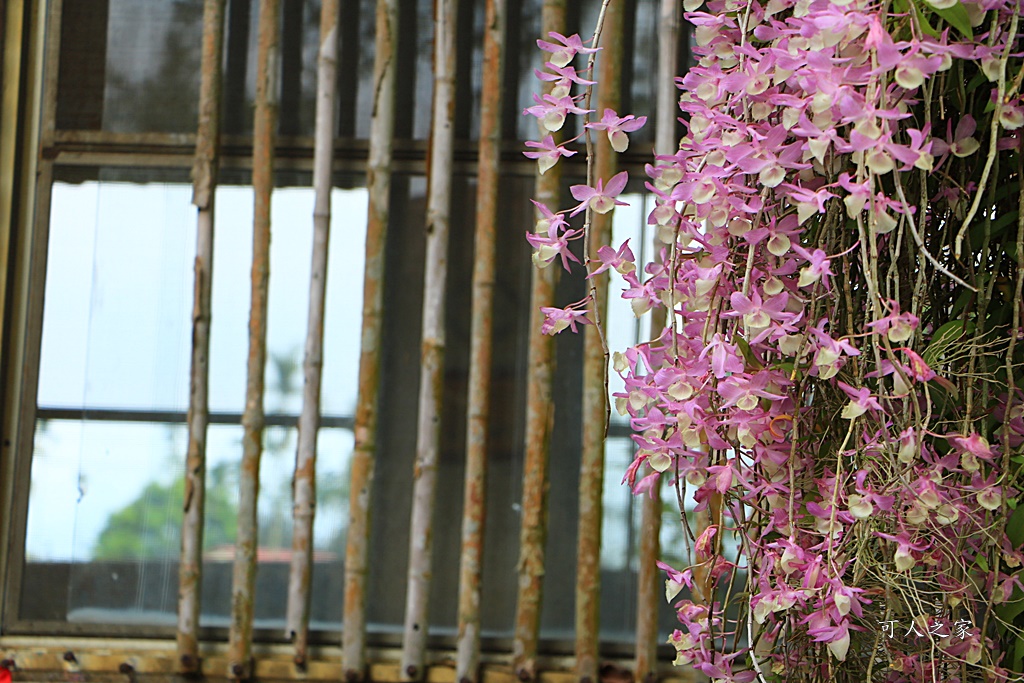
(44, 150)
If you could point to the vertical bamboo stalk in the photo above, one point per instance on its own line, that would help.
(648, 595)
(204, 183)
(378, 183)
(304, 494)
(648, 592)
(665, 139)
(428, 428)
(595, 393)
(539, 412)
(264, 125)
(474, 508)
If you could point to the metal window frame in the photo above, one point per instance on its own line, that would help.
(26, 231)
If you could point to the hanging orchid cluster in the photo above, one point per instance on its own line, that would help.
(838, 382)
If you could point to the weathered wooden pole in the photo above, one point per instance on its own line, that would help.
(264, 134)
(378, 184)
(467, 661)
(595, 369)
(649, 594)
(539, 413)
(428, 427)
(204, 184)
(304, 493)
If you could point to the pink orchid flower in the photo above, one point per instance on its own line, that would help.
(601, 199)
(617, 128)
(861, 401)
(558, 319)
(549, 153)
(622, 260)
(566, 49)
(563, 78)
(758, 312)
(552, 110)
(556, 243)
(897, 326)
(907, 551)
(960, 143)
(725, 357)
(818, 267)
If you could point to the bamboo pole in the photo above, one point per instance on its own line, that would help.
(648, 594)
(378, 184)
(539, 412)
(648, 586)
(474, 508)
(304, 494)
(595, 369)
(264, 125)
(204, 183)
(428, 428)
(666, 141)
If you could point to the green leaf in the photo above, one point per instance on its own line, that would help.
(1005, 190)
(1000, 224)
(927, 28)
(922, 18)
(943, 337)
(978, 79)
(981, 562)
(1015, 527)
(961, 302)
(748, 354)
(956, 16)
(1009, 610)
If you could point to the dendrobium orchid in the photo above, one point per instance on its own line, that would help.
(617, 128)
(601, 198)
(559, 319)
(549, 153)
(566, 49)
(819, 387)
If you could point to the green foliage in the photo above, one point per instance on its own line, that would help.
(150, 526)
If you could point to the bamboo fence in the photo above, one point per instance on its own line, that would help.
(595, 372)
(204, 180)
(649, 595)
(304, 492)
(378, 183)
(428, 426)
(539, 413)
(479, 400)
(264, 129)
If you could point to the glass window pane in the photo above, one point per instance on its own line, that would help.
(291, 247)
(116, 328)
(104, 532)
(103, 521)
(105, 507)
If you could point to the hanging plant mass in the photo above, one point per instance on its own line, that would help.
(837, 388)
